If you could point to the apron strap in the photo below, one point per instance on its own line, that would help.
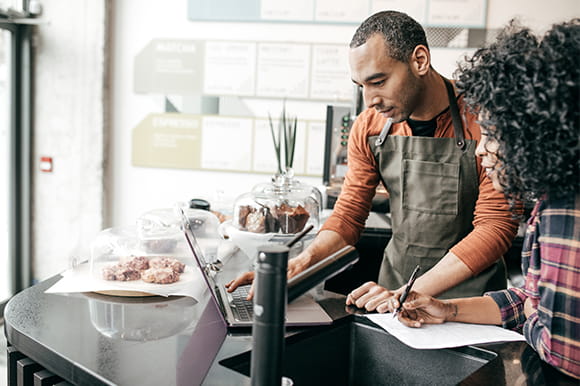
(455, 116)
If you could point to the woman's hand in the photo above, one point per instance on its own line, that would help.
(373, 297)
(419, 309)
(529, 308)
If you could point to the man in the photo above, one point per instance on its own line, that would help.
(446, 216)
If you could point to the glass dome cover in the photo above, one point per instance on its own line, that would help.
(284, 206)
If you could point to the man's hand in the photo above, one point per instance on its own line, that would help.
(373, 297)
(295, 266)
(325, 243)
(243, 279)
(419, 309)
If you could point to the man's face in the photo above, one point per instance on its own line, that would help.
(389, 86)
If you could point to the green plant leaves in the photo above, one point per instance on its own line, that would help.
(285, 139)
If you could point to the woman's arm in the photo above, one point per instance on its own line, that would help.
(420, 309)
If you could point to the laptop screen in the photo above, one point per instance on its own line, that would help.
(198, 256)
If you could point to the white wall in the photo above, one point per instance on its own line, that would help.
(69, 112)
(139, 189)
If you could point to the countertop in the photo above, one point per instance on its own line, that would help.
(93, 339)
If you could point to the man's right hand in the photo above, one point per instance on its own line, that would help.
(295, 266)
(325, 243)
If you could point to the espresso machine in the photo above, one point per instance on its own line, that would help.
(339, 120)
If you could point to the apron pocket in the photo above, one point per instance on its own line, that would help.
(430, 187)
(426, 257)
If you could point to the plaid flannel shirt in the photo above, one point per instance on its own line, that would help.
(551, 265)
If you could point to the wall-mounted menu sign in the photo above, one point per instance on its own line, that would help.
(250, 69)
(441, 13)
(211, 142)
(170, 66)
(168, 140)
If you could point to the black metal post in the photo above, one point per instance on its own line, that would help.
(269, 314)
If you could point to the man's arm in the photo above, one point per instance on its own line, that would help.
(447, 273)
(494, 228)
(324, 244)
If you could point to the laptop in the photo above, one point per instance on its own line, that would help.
(236, 310)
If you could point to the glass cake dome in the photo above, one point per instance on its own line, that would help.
(284, 206)
(152, 250)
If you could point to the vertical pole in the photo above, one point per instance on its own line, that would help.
(269, 314)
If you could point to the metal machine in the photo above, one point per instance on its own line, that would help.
(339, 120)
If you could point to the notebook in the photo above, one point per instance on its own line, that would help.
(236, 310)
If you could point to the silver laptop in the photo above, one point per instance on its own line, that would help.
(237, 310)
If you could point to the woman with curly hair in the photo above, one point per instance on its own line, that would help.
(527, 95)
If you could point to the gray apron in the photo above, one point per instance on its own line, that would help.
(433, 187)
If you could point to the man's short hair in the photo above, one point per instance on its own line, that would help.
(401, 33)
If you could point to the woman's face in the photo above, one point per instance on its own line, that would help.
(487, 150)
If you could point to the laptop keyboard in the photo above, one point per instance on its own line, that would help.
(243, 309)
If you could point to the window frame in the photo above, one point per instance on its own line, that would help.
(19, 196)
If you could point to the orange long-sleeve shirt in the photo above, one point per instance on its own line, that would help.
(494, 227)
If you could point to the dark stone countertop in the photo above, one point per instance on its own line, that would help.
(93, 339)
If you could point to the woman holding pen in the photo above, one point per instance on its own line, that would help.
(527, 94)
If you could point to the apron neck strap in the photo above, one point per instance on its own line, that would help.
(455, 117)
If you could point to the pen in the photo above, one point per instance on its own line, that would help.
(407, 290)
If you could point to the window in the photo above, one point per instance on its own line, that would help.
(6, 280)
(15, 86)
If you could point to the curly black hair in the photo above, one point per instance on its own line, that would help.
(528, 91)
(400, 31)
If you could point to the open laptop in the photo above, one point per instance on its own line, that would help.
(236, 310)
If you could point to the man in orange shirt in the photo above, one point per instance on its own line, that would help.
(418, 139)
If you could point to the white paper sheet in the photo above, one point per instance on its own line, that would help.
(330, 77)
(417, 9)
(80, 279)
(223, 136)
(347, 11)
(450, 334)
(457, 13)
(314, 144)
(282, 10)
(283, 70)
(230, 68)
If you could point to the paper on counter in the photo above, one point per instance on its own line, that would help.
(80, 279)
(449, 334)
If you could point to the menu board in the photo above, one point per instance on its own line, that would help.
(246, 69)
(447, 13)
(212, 142)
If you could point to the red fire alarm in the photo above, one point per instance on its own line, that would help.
(46, 164)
